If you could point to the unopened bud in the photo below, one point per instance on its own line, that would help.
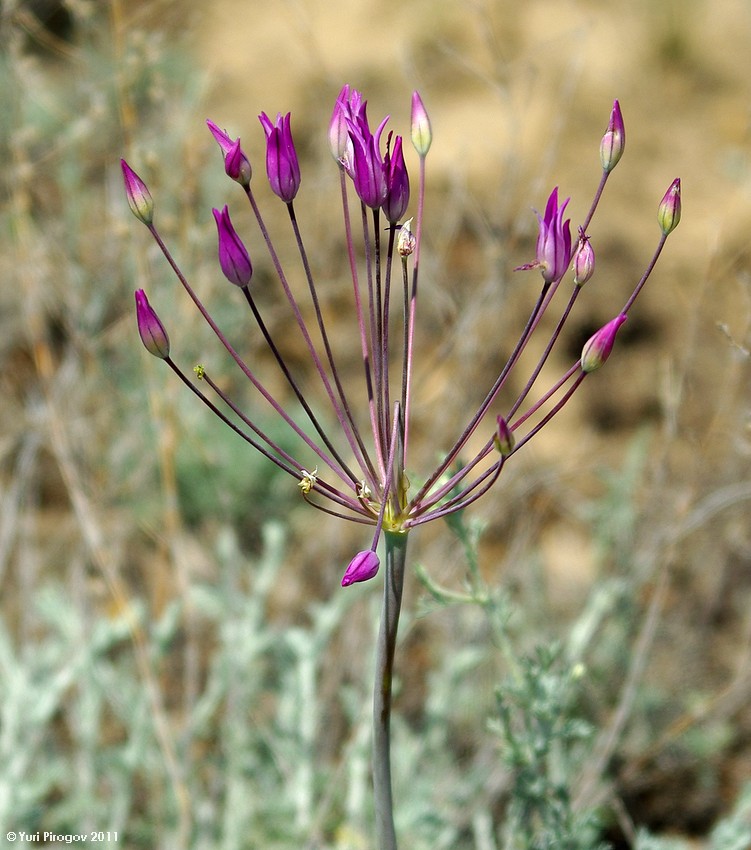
(503, 439)
(361, 568)
(597, 349)
(669, 212)
(422, 135)
(236, 164)
(397, 182)
(282, 166)
(152, 332)
(614, 140)
(233, 256)
(139, 197)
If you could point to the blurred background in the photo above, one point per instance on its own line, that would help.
(177, 660)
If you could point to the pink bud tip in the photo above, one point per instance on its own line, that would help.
(422, 134)
(597, 349)
(669, 212)
(152, 332)
(503, 438)
(139, 197)
(361, 568)
(614, 141)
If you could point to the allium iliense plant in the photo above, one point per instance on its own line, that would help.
(358, 471)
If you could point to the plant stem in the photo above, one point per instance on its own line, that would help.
(396, 553)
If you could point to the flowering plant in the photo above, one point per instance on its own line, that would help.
(364, 477)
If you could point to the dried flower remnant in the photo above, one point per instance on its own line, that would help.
(584, 260)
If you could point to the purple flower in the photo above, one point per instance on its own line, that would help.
(598, 347)
(349, 106)
(553, 241)
(236, 164)
(233, 256)
(363, 161)
(397, 182)
(152, 332)
(367, 168)
(357, 149)
(282, 167)
(362, 567)
(361, 476)
(139, 197)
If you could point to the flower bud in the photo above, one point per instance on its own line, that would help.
(584, 260)
(597, 349)
(282, 166)
(361, 568)
(422, 134)
(503, 439)
(139, 197)
(152, 332)
(233, 256)
(669, 212)
(397, 182)
(614, 140)
(405, 241)
(236, 164)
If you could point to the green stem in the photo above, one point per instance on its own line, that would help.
(396, 553)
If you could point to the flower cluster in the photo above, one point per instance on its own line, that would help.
(359, 471)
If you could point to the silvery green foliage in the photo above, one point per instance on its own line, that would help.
(734, 833)
(541, 745)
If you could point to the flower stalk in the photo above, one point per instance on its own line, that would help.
(393, 586)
